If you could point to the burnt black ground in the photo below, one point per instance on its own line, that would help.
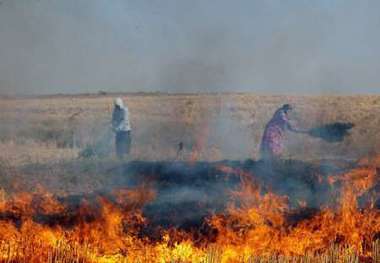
(187, 193)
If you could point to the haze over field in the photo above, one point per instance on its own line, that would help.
(75, 46)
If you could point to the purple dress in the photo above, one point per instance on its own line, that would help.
(272, 144)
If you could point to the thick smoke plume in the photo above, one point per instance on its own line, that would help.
(177, 46)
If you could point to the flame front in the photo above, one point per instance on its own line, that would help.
(36, 227)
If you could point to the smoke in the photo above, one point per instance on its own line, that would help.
(180, 46)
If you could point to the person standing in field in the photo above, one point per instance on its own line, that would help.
(272, 143)
(122, 128)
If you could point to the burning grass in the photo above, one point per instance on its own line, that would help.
(57, 209)
(61, 252)
(257, 222)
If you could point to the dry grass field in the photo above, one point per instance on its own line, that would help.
(212, 127)
(63, 144)
(76, 129)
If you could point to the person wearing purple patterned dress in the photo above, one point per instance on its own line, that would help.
(272, 144)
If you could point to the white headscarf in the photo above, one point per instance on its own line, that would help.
(119, 102)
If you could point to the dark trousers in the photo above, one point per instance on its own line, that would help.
(123, 143)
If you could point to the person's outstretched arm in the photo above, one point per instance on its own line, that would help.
(291, 126)
(294, 128)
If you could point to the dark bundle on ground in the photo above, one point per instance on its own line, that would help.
(333, 132)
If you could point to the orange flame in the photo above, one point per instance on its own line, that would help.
(36, 227)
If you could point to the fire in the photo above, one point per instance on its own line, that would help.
(259, 226)
(257, 223)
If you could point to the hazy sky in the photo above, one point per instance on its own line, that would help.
(309, 46)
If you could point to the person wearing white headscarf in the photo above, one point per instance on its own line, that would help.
(122, 128)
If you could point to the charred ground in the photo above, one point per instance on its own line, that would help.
(177, 194)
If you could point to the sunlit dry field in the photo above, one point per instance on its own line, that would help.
(66, 198)
(226, 126)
